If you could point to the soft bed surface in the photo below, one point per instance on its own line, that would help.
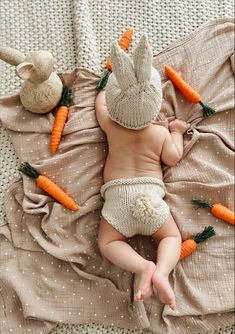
(39, 230)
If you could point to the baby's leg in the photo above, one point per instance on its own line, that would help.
(169, 244)
(114, 247)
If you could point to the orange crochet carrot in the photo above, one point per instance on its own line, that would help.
(50, 187)
(189, 246)
(124, 43)
(218, 210)
(108, 64)
(188, 91)
(60, 120)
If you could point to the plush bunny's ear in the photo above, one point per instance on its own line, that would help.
(23, 70)
(11, 56)
(142, 58)
(122, 67)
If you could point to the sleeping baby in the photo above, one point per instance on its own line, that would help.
(133, 189)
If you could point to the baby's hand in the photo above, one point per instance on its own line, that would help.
(178, 126)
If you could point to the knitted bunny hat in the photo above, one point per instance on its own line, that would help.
(133, 91)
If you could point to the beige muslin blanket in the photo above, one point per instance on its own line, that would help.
(50, 267)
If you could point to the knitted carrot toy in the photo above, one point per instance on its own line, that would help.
(50, 187)
(124, 43)
(218, 210)
(189, 246)
(188, 91)
(61, 116)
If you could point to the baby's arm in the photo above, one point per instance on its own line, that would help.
(172, 150)
(101, 110)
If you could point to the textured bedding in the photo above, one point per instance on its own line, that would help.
(50, 255)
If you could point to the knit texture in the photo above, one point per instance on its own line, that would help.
(93, 25)
(135, 205)
(133, 92)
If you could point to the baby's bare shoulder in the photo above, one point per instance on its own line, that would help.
(156, 137)
(159, 131)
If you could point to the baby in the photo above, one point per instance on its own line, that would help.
(133, 189)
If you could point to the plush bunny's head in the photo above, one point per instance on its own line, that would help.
(133, 91)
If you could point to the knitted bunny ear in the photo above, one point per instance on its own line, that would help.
(142, 57)
(122, 67)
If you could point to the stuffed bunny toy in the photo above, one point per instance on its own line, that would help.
(133, 91)
(42, 88)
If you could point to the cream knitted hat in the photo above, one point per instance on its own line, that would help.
(133, 91)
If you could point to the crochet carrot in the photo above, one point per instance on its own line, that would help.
(60, 120)
(188, 91)
(189, 246)
(50, 187)
(218, 210)
(124, 43)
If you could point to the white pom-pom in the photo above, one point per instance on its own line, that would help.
(145, 209)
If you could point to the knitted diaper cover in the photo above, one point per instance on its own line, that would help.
(135, 205)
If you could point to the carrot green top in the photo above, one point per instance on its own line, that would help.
(26, 168)
(205, 234)
(66, 97)
(202, 203)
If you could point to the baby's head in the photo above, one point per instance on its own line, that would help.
(133, 91)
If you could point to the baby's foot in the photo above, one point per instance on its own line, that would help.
(164, 290)
(145, 282)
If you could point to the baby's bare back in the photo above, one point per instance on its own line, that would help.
(133, 153)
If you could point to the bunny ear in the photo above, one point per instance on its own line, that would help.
(122, 67)
(23, 70)
(11, 56)
(142, 57)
